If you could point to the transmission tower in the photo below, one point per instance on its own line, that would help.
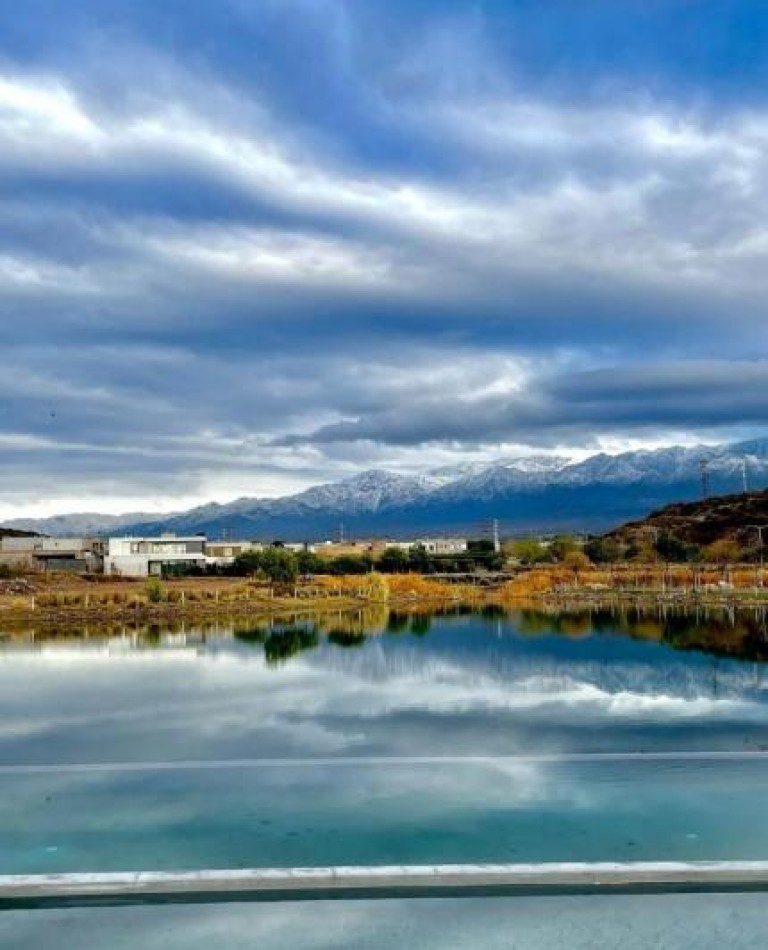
(744, 475)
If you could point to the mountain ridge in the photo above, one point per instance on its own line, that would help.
(546, 493)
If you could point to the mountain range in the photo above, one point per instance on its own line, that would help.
(531, 493)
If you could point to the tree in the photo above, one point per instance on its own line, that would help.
(562, 546)
(527, 551)
(308, 562)
(393, 561)
(351, 564)
(603, 550)
(643, 550)
(576, 561)
(279, 565)
(724, 551)
(420, 561)
(480, 546)
(670, 548)
(249, 562)
(276, 564)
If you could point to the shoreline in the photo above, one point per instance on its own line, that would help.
(51, 600)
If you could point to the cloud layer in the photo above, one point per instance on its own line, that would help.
(246, 247)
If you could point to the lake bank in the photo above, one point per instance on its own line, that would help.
(50, 600)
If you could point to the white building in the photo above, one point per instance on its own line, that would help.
(145, 557)
(443, 545)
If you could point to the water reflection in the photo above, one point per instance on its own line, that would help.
(383, 694)
(372, 682)
(725, 632)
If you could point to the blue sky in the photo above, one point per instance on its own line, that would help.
(247, 246)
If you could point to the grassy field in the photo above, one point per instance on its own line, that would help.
(57, 597)
(63, 597)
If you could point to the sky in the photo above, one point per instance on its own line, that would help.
(251, 245)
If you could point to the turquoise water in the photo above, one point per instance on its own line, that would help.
(248, 748)
(384, 814)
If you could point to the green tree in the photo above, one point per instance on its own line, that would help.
(670, 548)
(249, 562)
(351, 564)
(527, 551)
(562, 546)
(420, 561)
(603, 550)
(307, 562)
(480, 546)
(393, 561)
(279, 565)
(275, 564)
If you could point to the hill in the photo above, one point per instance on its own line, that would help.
(706, 522)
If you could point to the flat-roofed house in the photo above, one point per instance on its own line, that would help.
(443, 545)
(145, 557)
(51, 554)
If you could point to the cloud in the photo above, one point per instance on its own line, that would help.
(567, 407)
(340, 702)
(357, 242)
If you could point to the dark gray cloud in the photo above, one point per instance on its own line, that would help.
(572, 408)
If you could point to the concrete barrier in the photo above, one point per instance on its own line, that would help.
(323, 883)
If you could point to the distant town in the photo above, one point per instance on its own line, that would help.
(171, 555)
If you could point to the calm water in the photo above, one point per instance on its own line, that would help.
(310, 744)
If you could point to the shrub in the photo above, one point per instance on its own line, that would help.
(154, 590)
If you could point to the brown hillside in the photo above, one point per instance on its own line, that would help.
(726, 517)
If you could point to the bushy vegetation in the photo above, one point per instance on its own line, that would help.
(273, 563)
(280, 565)
(642, 546)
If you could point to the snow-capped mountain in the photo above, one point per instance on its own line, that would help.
(533, 492)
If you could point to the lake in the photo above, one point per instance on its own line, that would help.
(385, 738)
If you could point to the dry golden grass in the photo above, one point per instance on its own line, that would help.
(68, 595)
